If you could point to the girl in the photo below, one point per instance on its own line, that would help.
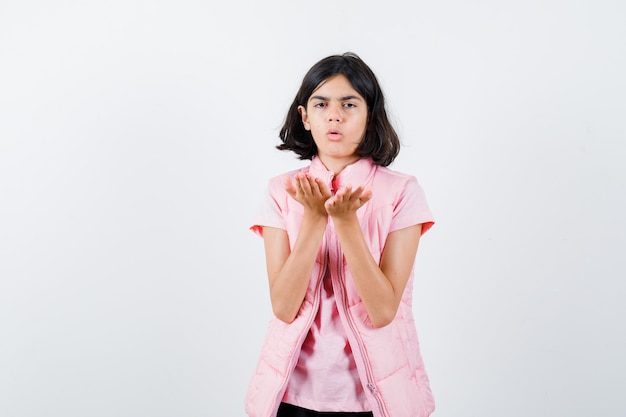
(340, 238)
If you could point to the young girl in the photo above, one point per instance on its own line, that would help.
(340, 238)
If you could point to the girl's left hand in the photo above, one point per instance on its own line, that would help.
(347, 201)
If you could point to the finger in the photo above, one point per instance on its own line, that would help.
(315, 189)
(329, 205)
(324, 190)
(366, 196)
(353, 194)
(344, 191)
(340, 196)
(305, 184)
(362, 193)
(315, 184)
(298, 182)
(290, 187)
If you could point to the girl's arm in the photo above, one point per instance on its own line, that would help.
(289, 271)
(380, 286)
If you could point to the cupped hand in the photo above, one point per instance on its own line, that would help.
(347, 201)
(309, 191)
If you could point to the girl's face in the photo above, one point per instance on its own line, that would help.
(336, 115)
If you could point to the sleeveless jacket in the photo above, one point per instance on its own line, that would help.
(388, 359)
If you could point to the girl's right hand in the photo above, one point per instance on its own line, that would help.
(311, 192)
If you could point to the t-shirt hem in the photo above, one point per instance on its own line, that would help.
(327, 406)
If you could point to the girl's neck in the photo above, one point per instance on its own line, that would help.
(337, 165)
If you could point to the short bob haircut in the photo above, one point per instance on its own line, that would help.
(381, 142)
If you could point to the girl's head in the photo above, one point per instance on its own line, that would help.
(380, 141)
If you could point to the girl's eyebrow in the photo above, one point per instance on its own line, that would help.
(344, 98)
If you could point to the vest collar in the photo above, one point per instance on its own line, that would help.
(354, 174)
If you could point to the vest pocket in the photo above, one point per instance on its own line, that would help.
(382, 346)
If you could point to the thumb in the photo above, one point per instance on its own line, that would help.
(289, 186)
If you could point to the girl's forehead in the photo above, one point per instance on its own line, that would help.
(338, 84)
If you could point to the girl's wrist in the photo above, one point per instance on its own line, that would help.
(315, 217)
(345, 219)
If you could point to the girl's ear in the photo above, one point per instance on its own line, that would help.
(305, 117)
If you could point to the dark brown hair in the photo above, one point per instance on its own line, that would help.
(381, 141)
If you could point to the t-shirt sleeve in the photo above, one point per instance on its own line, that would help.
(268, 212)
(412, 208)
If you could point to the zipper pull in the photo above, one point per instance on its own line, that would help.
(333, 186)
(372, 388)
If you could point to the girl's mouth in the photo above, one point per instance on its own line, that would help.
(334, 134)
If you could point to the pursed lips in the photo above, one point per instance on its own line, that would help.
(334, 134)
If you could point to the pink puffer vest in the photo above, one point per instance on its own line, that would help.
(388, 359)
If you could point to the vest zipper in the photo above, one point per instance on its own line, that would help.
(368, 369)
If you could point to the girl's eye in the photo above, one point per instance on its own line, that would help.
(350, 105)
(320, 105)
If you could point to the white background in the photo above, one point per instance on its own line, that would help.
(136, 139)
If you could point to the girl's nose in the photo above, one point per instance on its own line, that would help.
(334, 115)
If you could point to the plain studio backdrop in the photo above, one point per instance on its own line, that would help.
(136, 141)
